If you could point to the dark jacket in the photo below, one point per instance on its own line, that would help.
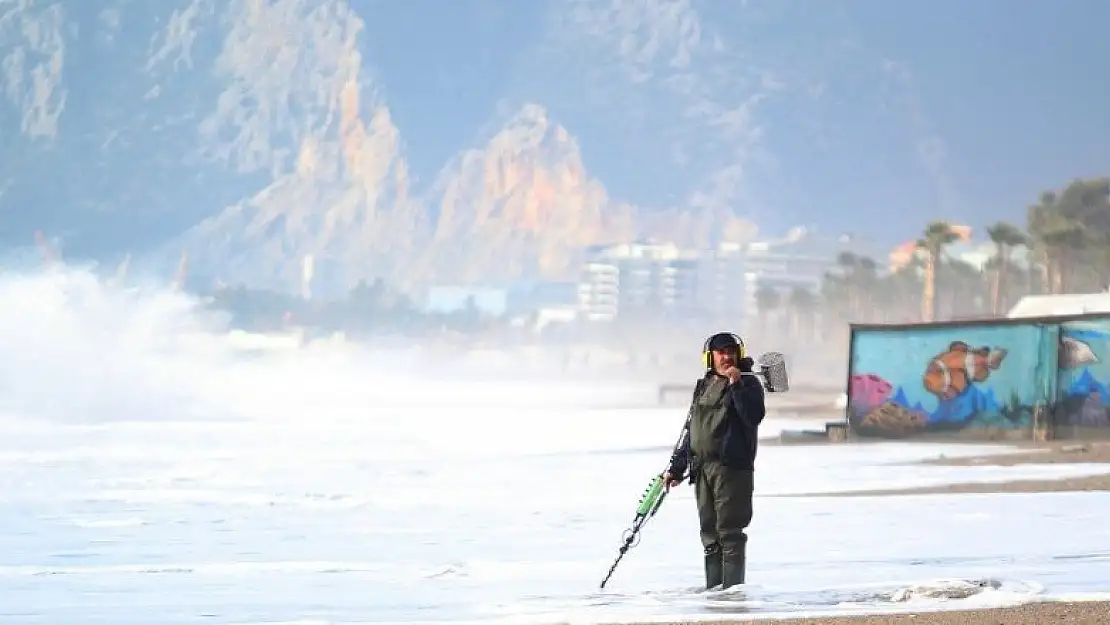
(724, 424)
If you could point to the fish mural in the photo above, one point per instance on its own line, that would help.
(965, 380)
(949, 374)
(982, 380)
(1074, 353)
(1083, 380)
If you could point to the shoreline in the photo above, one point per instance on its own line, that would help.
(1034, 610)
(1095, 452)
(1034, 613)
(1057, 452)
(1088, 484)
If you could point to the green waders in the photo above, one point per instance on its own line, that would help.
(724, 499)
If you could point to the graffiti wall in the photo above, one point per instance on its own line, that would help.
(972, 380)
(1083, 379)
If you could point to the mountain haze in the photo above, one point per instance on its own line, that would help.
(298, 130)
(479, 140)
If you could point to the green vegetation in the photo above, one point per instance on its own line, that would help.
(372, 307)
(1063, 248)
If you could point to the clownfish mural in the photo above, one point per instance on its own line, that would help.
(981, 379)
(950, 373)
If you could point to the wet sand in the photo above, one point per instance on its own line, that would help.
(1066, 613)
(1044, 453)
(1080, 613)
(1094, 483)
(1051, 453)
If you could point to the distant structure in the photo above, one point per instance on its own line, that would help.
(553, 299)
(638, 279)
(1034, 306)
(447, 299)
(658, 279)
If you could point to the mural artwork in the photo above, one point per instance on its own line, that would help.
(910, 382)
(1083, 382)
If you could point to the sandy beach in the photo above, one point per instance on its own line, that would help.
(1032, 453)
(1080, 613)
(1046, 453)
(1085, 613)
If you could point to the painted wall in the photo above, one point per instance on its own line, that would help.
(909, 382)
(981, 380)
(1083, 379)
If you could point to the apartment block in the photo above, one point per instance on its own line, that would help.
(643, 279)
(659, 279)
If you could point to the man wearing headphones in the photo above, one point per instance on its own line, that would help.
(719, 452)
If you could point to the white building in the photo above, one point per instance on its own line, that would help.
(640, 279)
(721, 283)
(1032, 306)
(733, 273)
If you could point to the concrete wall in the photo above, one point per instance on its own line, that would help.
(997, 379)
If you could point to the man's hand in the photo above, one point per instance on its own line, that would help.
(733, 374)
(670, 480)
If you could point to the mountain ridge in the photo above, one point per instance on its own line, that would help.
(263, 121)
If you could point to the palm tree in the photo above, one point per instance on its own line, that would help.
(1081, 234)
(858, 279)
(865, 278)
(1005, 237)
(938, 235)
(1044, 223)
(1064, 241)
(900, 293)
(847, 263)
(1070, 233)
(962, 285)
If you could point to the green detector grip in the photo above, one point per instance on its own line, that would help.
(652, 497)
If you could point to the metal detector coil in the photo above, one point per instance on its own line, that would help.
(772, 368)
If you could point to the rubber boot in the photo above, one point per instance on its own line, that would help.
(732, 570)
(714, 570)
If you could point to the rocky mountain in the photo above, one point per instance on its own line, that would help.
(337, 185)
(523, 204)
(249, 134)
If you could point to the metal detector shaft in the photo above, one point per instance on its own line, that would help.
(652, 499)
(634, 531)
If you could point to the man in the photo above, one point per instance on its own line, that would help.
(719, 452)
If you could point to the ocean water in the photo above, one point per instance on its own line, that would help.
(151, 473)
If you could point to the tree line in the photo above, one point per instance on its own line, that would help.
(1064, 247)
(368, 307)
